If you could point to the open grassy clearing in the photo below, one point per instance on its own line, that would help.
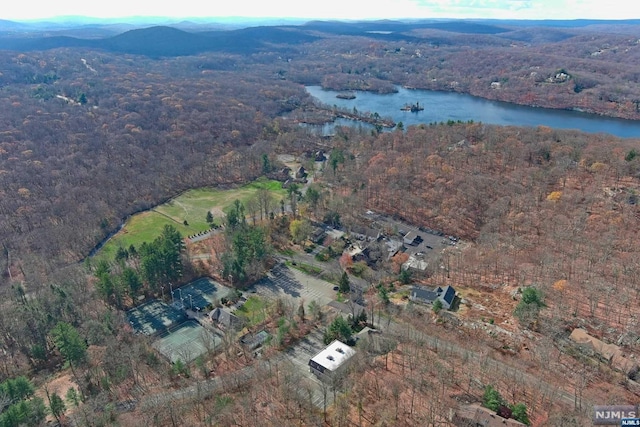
(192, 207)
(143, 227)
(311, 270)
(254, 311)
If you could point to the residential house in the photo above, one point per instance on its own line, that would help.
(411, 238)
(351, 309)
(373, 255)
(318, 235)
(475, 415)
(423, 295)
(610, 353)
(253, 341)
(224, 319)
(416, 264)
(317, 156)
(332, 361)
(446, 295)
(393, 246)
(365, 233)
(301, 173)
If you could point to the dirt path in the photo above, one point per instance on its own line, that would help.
(167, 216)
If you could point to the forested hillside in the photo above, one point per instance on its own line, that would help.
(537, 228)
(557, 209)
(88, 138)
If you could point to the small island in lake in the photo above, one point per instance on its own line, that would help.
(346, 95)
(413, 107)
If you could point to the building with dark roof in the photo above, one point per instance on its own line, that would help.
(411, 238)
(352, 309)
(253, 341)
(224, 319)
(446, 295)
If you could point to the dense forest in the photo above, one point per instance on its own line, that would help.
(554, 208)
(89, 138)
(96, 132)
(91, 134)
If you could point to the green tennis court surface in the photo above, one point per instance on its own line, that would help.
(186, 342)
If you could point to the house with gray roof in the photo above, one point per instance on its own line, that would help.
(411, 238)
(224, 319)
(252, 341)
(423, 295)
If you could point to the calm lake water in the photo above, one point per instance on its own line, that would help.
(444, 106)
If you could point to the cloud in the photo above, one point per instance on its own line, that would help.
(327, 9)
(530, 9)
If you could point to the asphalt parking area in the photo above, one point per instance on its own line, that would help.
(286, 282)
(299, 356)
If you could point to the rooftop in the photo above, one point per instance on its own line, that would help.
(423, 293)
(254, 341)
(350, 308)
(334, 355)
(448, 293)
(412, 235)
(475, 414)
(415, 263)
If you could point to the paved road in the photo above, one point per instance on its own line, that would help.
(204, 235)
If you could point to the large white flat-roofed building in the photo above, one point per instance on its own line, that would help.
(331, 361)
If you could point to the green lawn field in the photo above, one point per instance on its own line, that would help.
(254, 311)
(192, 207)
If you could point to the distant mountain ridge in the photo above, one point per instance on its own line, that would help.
(158, 41)
(196, 37)
(168, 41)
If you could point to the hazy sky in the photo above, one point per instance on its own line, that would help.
(323, 9)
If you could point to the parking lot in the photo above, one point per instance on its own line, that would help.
(289, 283)
(430, 241)
(296, 286)
(299, 356)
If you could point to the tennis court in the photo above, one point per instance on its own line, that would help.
(199, 294)
(186, 342)
(154, 317)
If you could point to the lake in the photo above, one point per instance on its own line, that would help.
(445, 106)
